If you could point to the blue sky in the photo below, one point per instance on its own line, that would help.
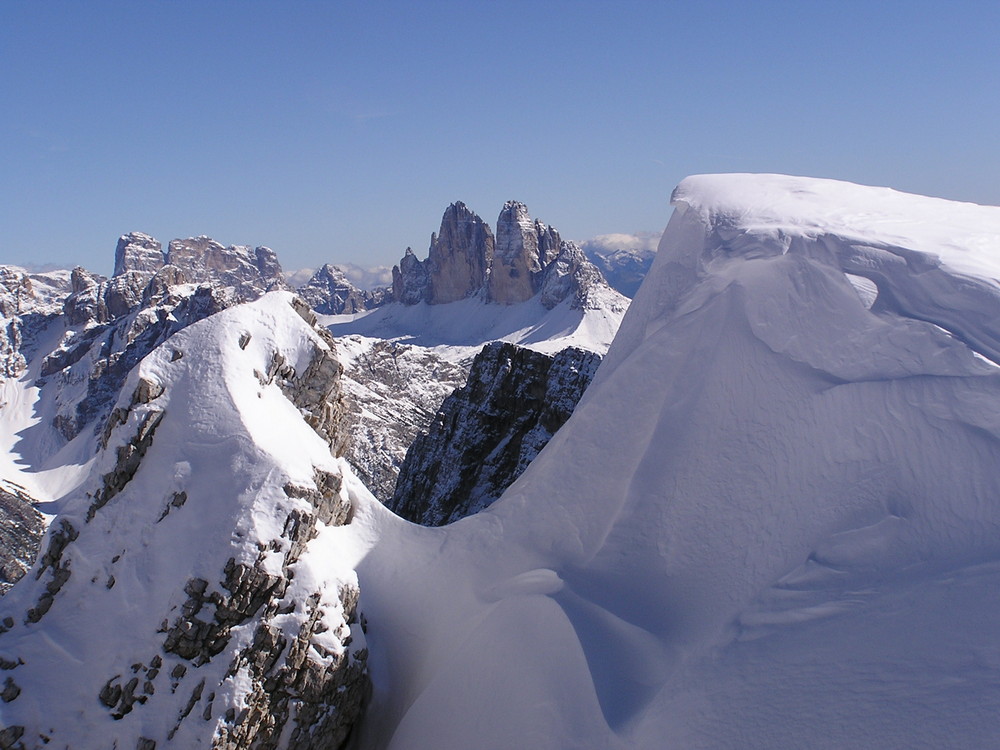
(339, 131)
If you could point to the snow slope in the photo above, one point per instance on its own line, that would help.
(459, 329)
(773, 520)
(186, 547)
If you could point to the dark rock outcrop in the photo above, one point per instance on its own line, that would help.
(487, 432)
(21, 530)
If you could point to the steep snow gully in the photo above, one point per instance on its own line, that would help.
(773, 520)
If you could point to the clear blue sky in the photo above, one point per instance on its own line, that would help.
(339, 131)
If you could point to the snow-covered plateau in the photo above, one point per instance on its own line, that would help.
(772, 521)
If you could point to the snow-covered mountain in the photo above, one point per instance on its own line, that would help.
(523, 285)
(189, 593)
(623, 259)
(771, 521)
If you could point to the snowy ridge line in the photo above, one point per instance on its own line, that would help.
(931, 259)
(178, 598)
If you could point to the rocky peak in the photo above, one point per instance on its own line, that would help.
(85, 304)
(527, 258)
(252, 271)
(16, 291)
(460, 255)
(328, 292)
(524, 249)
(138, 252)
(411, 282)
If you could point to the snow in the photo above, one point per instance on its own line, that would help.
(458, 330)
(231, 443)
(771, 522)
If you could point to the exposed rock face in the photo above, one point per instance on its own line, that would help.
(392, 392)
(21, 529)
(524, 248)
(138, 252)
(411, 283)
(487, 432)
(329, 292)
(460, 255)
(571, 276)
(85, 304)
(251, 271)
(28, 302)
(526, 259)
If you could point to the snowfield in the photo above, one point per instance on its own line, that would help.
(773, 521)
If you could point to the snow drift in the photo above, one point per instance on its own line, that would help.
(773, 520)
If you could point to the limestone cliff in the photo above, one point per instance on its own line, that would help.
(487, 432)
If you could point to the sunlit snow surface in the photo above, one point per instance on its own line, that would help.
(773, 521)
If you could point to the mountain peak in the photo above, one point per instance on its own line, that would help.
(524, 258)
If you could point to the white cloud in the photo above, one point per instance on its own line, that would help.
(603, 244)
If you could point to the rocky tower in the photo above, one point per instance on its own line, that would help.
(138, 252)
(524, 249)
(527, 259)
(460, 255)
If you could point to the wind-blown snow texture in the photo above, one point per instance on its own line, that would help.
(773, 521)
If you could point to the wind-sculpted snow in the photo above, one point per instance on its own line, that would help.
(178, 600)
(772, 521)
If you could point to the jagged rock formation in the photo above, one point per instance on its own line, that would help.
(28, 302)
(193, 542)
(524, 249)
(21, 529)
(138, 252)
(113, 323)
(392, 392)
(487, 432)
(328, 292)
(460, 255)
(251, 271)
(527, 258)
